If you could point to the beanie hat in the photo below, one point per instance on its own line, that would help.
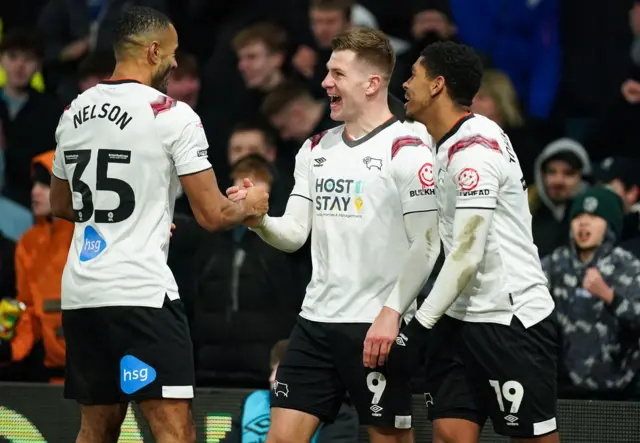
(602, 202)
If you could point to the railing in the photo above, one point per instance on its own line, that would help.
(38, 413)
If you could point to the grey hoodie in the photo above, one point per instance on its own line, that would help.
(553, 148)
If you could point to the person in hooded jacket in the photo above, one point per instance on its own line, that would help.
(41, 254)
(559, 173)
(596, 287)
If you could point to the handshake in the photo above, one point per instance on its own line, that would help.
(255, 201)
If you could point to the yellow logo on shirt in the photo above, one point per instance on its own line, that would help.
(358, 203)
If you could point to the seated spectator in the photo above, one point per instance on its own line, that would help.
(184, 82)
(596, 286)
(247, 298)
(41, 255)
(16, 219)
(28, 119)
(558, 177)
(253, 424)
(497, 100)
(95, 68)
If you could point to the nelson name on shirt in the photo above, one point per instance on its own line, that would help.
(114, 114)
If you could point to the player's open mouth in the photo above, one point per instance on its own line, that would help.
(334, 100)
(407, 100)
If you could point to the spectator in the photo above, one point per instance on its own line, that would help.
(241, 282)
(251, 138)
(621, 175)
(558, 173)
(432, 21)
(28, 118)
(184, 82)
(7, 268)
(41, 255)
(16, 219)
(327, 18)
(596, 286)
(74, 29)
(295, 113)
(498, 101)
(253, 424)
(95, 68)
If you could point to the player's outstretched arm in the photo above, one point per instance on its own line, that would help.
(212, 210)
(60, 199)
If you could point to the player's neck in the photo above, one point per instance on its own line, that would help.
(367, 121)
(443, 120)
(131, 71)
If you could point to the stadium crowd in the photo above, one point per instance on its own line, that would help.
(562, 78)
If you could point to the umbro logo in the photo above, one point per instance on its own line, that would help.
(511, 420)
(401, 340)
(319, 162)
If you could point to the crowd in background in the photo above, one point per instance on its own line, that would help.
(562, 78)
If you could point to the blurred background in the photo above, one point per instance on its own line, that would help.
(562, 78)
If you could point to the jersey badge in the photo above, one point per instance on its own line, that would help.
(468, 179)
(371, 162)
(92, 244)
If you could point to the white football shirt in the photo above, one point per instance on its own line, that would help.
(476, 167)
(360, 191)
(121, 146)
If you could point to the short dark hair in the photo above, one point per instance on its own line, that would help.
(136, 20)
(459, 65)
(22, 40)
(256, 125)
(100, 64)
(282, 96)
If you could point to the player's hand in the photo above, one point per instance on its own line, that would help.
(173, 228)
(380, 337)
(256, 203)
(595, 284)
(235, 193)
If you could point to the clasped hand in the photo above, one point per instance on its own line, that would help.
(255, 200)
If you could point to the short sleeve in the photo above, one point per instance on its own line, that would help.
(189, 150)
(477, 177)
(412, 171)
(58, 158)
(301, 172)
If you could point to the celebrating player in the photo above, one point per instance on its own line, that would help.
(494, 353)
(123, 149)
(365, 190)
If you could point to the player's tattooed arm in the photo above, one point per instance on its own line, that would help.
(61, 200)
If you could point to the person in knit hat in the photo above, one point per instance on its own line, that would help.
(596, 287)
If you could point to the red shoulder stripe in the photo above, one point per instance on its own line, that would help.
(163, 104)
(66, 108)
(401, 142)
(470, 141)
(315, 139)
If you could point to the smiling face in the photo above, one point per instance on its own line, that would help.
(418, 91)
(588, 231)
(346, 85)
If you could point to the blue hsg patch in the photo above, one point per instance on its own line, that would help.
(135, 374)
(92, 244)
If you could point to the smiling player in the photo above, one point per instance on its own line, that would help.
(365, 191)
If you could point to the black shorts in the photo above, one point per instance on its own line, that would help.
(128, 353)
(323, 362)
(506, 373)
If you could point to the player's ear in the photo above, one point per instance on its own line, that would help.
(375, 82)
(437, 86)
(154, 52)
